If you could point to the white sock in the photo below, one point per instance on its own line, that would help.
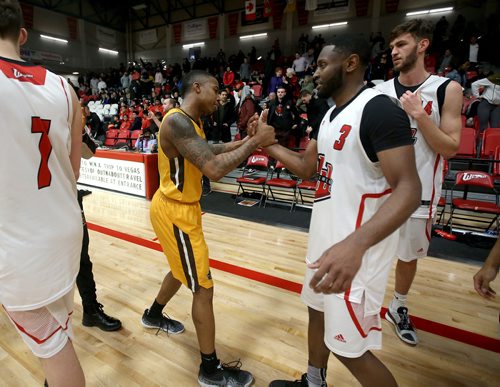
(398, 301)
(316, 377)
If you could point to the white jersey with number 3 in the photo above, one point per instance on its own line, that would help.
(40, 220)
(350, 190)
(429, 163)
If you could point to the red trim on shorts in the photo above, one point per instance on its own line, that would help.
(34, 338)
(355, 318)
(433, 195)
(362, 204)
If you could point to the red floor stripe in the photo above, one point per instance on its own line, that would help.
(466, 337)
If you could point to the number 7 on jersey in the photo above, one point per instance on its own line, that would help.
(39, 125)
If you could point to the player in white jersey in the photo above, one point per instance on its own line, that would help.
(367, 187)
(433, 106)
(40, 221)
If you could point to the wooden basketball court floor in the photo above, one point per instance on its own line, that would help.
(260, 319)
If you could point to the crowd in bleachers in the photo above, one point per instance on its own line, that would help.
(133, 98)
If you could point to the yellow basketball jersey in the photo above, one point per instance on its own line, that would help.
(179, 179)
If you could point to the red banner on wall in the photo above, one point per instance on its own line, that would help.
(27, 15)
(361, 7)
(391, 6)
(232, 20)
(72, 28)
(277, 14)
(177, 33)
(302, 14)
(212, 26)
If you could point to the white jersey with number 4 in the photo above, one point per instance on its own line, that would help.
(429, 163)
(40, 220)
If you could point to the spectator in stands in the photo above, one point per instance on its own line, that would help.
(300, 65)
(276, 80)
(222, 119)
(228, 78)
(316, 109)
(453, 73)
(282, 116)
(245, 70)
(147, 142)
(291, 84)
(159, 77)
(93, 121)
(93, 85)
(125, 81)
(126, 124)
(445, 61)
(115, 123)
(246, 109)
(101, 85)
(136, 122)
(488, 110)
(380, 67)
(146, 83)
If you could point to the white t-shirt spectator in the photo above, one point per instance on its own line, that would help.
(101, 85)
(300, 64)
(473, 51)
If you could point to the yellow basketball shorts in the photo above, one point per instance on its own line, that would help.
(178, 227)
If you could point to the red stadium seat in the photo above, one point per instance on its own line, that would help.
(489, 209)
(467, 143)
(286, 185)
(491, 140)
(111, 136)
(250, 180)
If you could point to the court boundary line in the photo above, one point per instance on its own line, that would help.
(433, 327)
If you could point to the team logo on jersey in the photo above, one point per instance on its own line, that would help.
(23, 73)
(340, 338)
(19, 74)
(428, 108)
(324, 186)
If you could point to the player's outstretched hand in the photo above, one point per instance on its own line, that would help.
(336, 268)
(482, 281)
(264, 132)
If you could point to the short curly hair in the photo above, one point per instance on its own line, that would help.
(11, 19)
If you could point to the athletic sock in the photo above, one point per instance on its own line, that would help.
(316, 377)
(398, 301)
(209, 362)
(156, 310)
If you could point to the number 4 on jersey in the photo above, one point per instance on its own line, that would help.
(39, 125)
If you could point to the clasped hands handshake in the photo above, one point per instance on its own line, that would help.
(258, 129)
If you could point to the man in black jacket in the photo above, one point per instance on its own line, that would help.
(315, 108)
(282, 116)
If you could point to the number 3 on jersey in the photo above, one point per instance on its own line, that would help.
(42, 126)
(344, 132)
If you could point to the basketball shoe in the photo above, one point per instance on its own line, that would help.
(296, 383)
(162, 323)
(402, 324)
(229, 375)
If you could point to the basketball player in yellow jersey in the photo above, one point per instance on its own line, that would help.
(183, 157)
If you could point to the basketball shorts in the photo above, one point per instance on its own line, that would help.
(414, 239)
(46, 330)
(349, 332)
(178, 227)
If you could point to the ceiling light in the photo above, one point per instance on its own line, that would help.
(187, 46)
(262, 35)
(54, 39)
(429, 11)
(344, 23)
(108, 51)
(76, 73)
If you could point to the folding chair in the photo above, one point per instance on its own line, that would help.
(123, 138)
(257, 183)
(306, 189)
(481, 180)
(285, 185)
(442, 200)
(491, 140)
(111, 135)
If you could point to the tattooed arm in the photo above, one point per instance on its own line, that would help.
(226, 147)
(178, 132)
